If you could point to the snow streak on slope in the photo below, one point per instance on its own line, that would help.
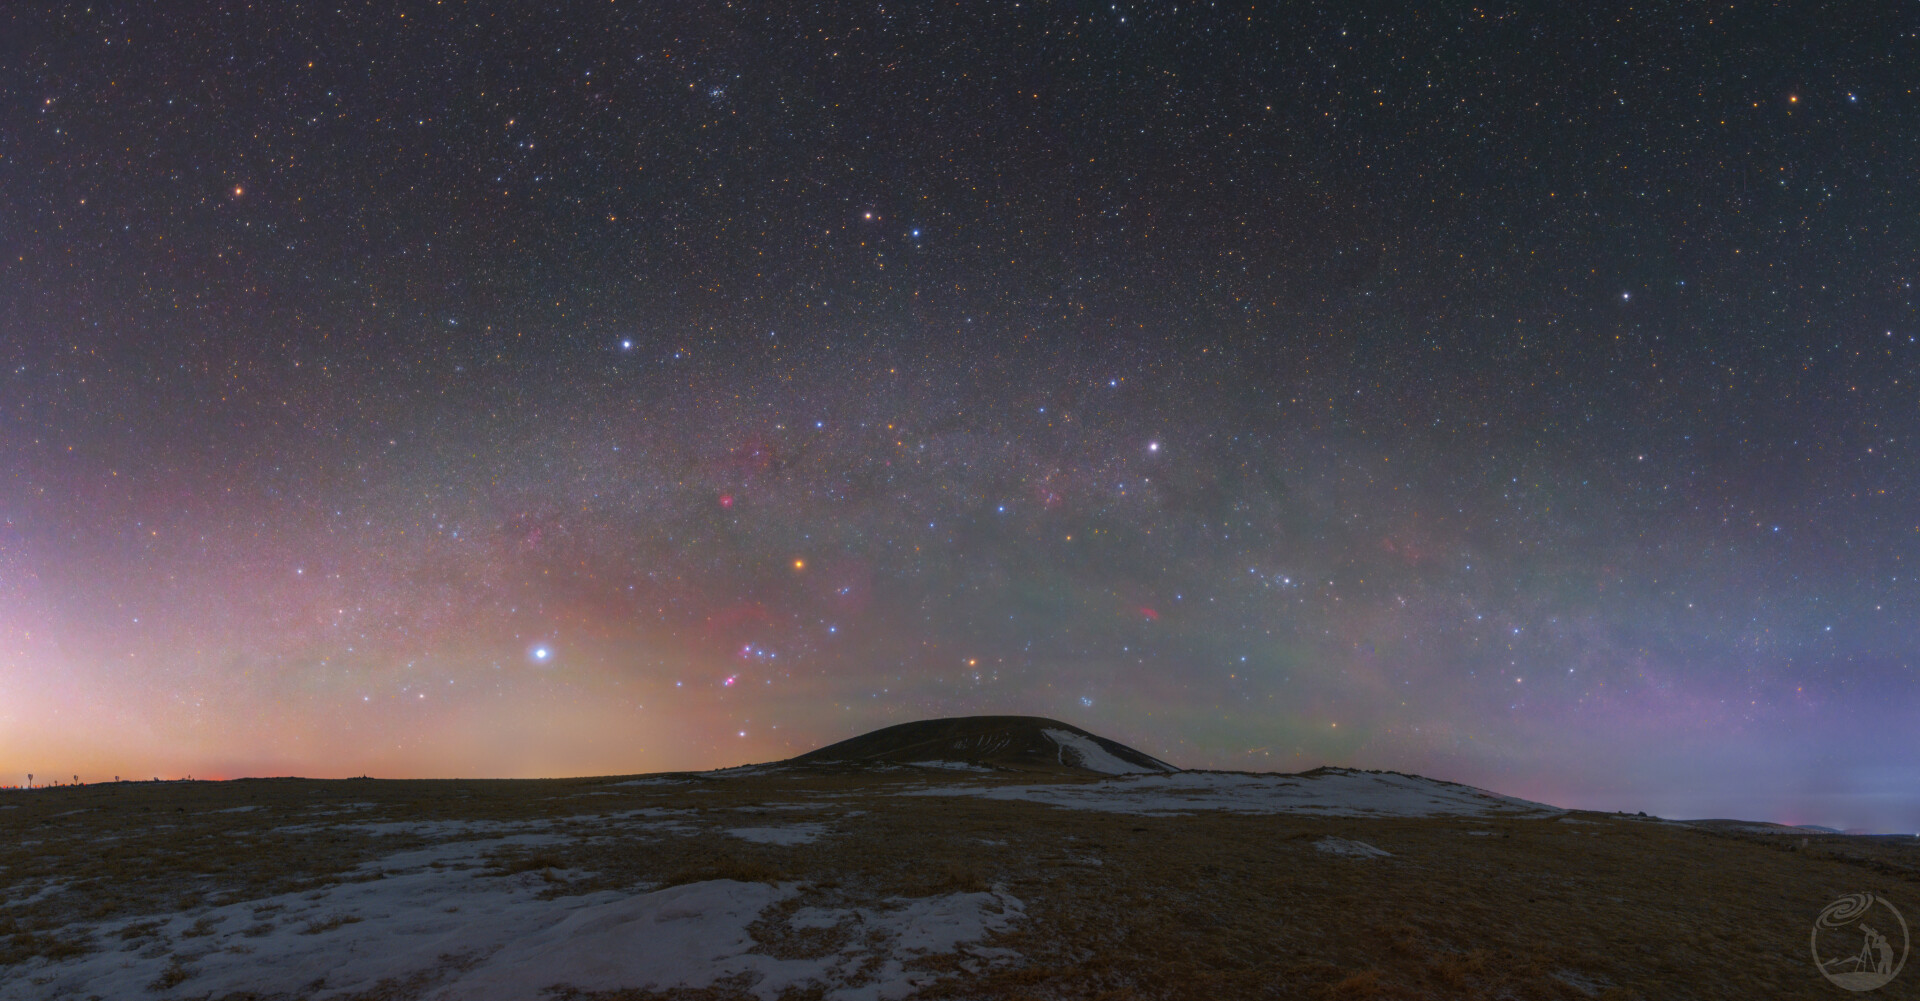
(1342, 846)
(1087, 753)
(1325, 792)
(951, 766)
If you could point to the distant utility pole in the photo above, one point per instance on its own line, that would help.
(29, 780)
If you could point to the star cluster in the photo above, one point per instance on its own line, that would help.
(1519, 396)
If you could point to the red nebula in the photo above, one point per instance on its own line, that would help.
(726, 501)
(1152, 616)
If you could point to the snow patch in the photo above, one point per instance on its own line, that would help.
(956, 766)
(459, 935)
(742, 771)
(1590, 985)
(45, 890)
(798, 834)
(1357, 849)
(1087, 753)
(1330, 793)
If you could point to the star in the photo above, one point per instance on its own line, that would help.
(392, 365)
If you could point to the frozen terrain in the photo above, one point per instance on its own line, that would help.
(430, 922)
(1084, 752)
(1023, 863)
(1326, 792)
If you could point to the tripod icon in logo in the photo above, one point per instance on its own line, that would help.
(1877, 962)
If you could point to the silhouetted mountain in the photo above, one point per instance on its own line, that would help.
(1024, 743)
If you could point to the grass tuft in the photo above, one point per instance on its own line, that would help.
(962, 877)
(202, 927)
(725, 867)
(171, 977)
(25, 945)
(140, 929)
(516, 864)
(329, 924)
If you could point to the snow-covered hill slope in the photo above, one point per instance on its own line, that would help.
(1327, 792)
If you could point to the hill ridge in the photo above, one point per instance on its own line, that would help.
(1008, 743)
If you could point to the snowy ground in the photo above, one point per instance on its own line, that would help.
(433, 921)
(506, 907)
(894, 882)
(1343, 846)
(1085, 752)
(1328, 793)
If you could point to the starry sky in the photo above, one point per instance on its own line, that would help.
(1517, 395)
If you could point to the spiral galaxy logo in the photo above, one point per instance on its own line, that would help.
(1871, 924)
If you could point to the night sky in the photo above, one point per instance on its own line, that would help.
(1524, 396)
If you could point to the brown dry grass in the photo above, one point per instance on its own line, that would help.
(1210, 905)
(328, 924)
(175, 974)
